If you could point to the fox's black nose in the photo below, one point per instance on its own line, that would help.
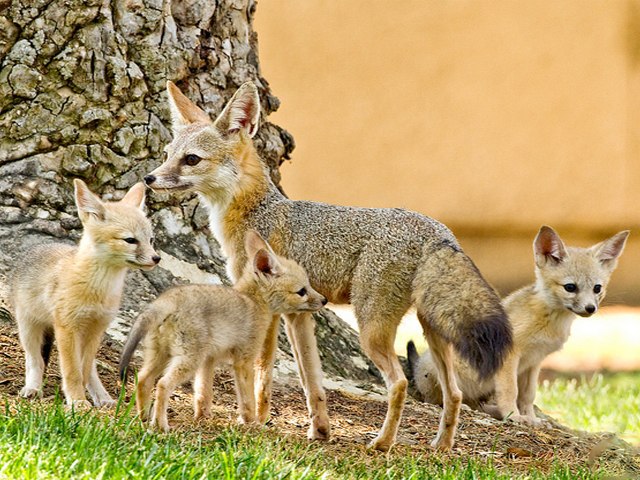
(324, 301)
(149, 179)
(156, 259)
(590, 308)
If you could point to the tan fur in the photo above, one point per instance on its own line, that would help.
(380, 260)
(188, 330)
(75, 291)
(541, 315)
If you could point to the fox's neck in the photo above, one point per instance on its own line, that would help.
(231, 216)
(95, 274)
(248, 286)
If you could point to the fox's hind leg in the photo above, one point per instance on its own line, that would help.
(180, 370)
(36, 340)
(151, 369)
(378, 321)
(301, 332)
(442, 356)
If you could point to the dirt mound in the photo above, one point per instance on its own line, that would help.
(355, 420)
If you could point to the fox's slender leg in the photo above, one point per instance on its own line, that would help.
(507, 389)
(99, 395)
(527, 384)
(151, 369)
(244, 379)
(31, 337)
(203, 389)
(301, 332)
(442, 355)
(70, 365)
(378, 345)
(264, 370)
(180, 370)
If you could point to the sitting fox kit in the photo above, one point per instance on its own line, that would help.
(380, 260)
(570, 281)
(190, 329)
(73, 293)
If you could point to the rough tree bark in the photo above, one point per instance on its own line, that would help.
(82, 94)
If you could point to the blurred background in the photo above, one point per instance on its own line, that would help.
(493, 117)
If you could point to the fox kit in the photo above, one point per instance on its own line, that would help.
(73, 293)
(380, 260)
(190, 329)
(570, 281)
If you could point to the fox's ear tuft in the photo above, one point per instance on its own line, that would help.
(87, 202)
(548, 247)
(609, 250)
(183, 111)
(242, 112)
(265, 263)
(135, 196)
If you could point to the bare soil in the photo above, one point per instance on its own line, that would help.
(355, 421)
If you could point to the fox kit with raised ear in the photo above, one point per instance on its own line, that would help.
(72, 293)
(570, 281)
(189, 329)
(380, 260)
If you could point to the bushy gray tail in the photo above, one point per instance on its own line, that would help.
(138, 331)
(453, 298)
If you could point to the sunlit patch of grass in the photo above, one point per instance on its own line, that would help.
(41, 441)
(599, 403)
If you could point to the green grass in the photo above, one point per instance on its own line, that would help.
(40, 440)
(599, 403)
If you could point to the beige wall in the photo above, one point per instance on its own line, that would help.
(492, 116)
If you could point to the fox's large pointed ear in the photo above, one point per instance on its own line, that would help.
(242, 112)
(183, 110)
(548, 247)
(87, 202)
(609, 250)
(260, 253)
(135, 196)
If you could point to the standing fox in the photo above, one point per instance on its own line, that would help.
(570, 281)
(189, 329)
(73, 293)
(380, 260)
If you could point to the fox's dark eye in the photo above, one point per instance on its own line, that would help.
(302, 292)
(570, 287)
(597, 288)
(191, 160)
(130, 240)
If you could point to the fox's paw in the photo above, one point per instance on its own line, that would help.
(320, 429)
(79, 404)
(105, 403)
(380, 444)
(28, 392)
(442, 443)
(526, 419)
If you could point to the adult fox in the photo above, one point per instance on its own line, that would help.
(380, 260)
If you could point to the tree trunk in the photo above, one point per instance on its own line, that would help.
(82, 94)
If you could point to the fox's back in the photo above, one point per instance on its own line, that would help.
(338, 245)
(210, 318)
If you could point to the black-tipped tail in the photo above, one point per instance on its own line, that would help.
(484, 343)
(456, 302)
